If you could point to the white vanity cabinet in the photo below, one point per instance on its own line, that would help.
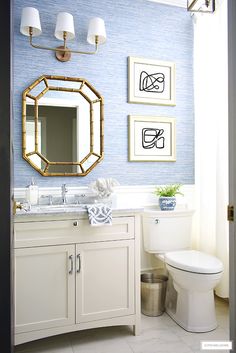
(71, 276)
(44, 288)
(104, 280)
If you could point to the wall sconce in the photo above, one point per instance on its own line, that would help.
(207, 6)
(30, 26)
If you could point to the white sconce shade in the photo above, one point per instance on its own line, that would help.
(30, 18)
(65, 23)
(96, 28)
(30, 26)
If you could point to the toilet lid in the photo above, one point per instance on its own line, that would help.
(194, 261)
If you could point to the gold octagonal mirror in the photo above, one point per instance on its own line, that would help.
(62, 126)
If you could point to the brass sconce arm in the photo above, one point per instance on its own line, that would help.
(62, 53)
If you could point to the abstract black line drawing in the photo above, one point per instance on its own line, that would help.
(151, 81)
(152, 138)
(154, 83)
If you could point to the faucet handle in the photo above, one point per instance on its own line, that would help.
(49, 198)
(64, 188)
(79, 198)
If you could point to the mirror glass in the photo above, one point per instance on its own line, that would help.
(62, 126)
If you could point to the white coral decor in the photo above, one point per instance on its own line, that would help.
(103, 187)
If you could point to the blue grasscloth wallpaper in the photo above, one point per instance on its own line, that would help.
(134, 28)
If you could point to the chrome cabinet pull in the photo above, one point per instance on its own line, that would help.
(75, 223)
(71, 264)
(157, 221)
(79, 263)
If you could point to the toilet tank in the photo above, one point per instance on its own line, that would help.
(165, 231)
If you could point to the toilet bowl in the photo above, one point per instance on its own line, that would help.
(193, 274)
(190, 298)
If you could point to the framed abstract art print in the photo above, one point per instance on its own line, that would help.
(152, 139)
(151, 81)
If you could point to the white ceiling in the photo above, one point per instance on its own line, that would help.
(179, 3)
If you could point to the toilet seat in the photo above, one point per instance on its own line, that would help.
(194, 261)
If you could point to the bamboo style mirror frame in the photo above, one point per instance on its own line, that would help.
(62, 126)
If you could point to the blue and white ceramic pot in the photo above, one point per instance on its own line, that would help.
(167, 203)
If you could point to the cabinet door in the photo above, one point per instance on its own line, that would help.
(44, 287)
(104, 280)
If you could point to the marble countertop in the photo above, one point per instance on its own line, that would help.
(72, 211)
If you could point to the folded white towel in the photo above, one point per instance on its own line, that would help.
(99, 214)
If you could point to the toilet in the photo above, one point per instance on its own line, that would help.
(193, 274)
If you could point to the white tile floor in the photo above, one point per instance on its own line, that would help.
(159, 334)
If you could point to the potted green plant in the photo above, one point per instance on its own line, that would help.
(167, 199)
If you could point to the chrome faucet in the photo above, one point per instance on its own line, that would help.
(64, 190)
